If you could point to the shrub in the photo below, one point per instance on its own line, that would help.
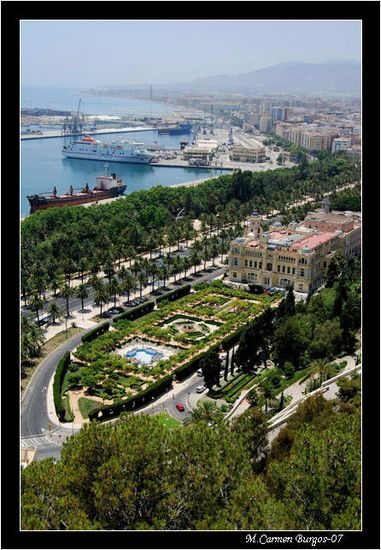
(145, 396)
(95, 332)
(173, 295)
(136, 312)
(57, 385)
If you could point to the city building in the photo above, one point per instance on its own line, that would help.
(340, 143)
(243, 154)
(297, 254)
(265, 124)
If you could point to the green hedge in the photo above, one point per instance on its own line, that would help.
(194, 364)
(142, 398)
(173, 295)
(136, 312)
(95, 332)
(57, 385)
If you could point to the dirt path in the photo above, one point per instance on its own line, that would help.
(74, 397)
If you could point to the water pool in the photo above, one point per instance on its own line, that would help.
(144, 356)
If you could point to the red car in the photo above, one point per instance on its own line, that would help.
(180, 407)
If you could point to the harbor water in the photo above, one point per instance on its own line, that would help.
(43, 167)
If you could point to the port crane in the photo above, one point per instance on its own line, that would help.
(74, 125)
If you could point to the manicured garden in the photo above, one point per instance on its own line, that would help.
(180, 332)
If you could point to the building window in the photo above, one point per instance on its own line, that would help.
(255, 265)
(245, 263)
(302, 272)
(278, 268)
(301, 286)
(260, 265)
(235, 261)
(293, 270)
(234, 274)
(288, 269)
(251, 263)
(269, 267)
(283, 268)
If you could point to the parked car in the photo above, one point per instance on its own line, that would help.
(180, 407)
(222, 372)
(105, 315)
(199, 372)
(223, 356)
(115, 310)
(200, 389)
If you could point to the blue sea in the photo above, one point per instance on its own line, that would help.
(67, 99)
(43, 165)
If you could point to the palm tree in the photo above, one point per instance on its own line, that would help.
(187, 264)
(36, 303)
(82, 293)
(268, 392)
(318, 366)
(153, 271)
(164, 274)
(54, 311)
(129, 285)
(195, 259)
(207, 411)
(214, 250)
(109, 269)
(114, 289)
(123, 274)
(66, 292)
(130, 253)
(54, 285)
(143, 282)
(83, 265)
(101, 296)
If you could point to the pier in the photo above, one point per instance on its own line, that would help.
(56, 134)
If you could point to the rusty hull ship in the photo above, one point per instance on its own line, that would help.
(106, 187)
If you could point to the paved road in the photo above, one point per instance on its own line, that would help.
(34, 414)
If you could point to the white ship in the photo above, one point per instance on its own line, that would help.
(89, 148)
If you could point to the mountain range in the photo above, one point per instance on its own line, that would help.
(336, 77)
(292, 77)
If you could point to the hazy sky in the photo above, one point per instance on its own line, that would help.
(100, 53)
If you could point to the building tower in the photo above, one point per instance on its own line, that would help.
(326, 205)
(254, 224)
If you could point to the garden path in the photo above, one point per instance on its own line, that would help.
(74, 397)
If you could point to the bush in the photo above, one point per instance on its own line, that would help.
(57, 385)
(142, 398)
(95, 332)
(136, 312)
(173, 295)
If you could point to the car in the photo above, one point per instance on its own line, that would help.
(200, 389)
(180, 407)
(105, 315)
(223, 356)
(222, 372)
(115, 310)
(135, 303)
(199, 372)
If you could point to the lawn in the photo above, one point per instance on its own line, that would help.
(87, 405)
(167, 420)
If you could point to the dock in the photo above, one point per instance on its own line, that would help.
(56, 134)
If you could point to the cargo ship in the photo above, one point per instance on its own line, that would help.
(106, 187)
(180, 128)
(89, 148)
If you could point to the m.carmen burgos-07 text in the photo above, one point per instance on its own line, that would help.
(299, 539)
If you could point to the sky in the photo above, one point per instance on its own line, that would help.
(102, 53)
